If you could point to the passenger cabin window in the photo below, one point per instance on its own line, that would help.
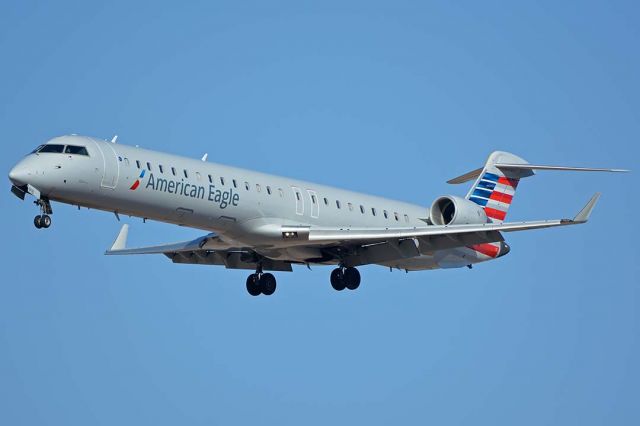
(76, 150)
(350, 207)
(326, 201)
(297, 195)
(221, 181)
(210, 179)
(386, 215)
(198, 176)
(148, 166)
(52, 148)
(396, 216)
(258, 188)
(161, 168)
(373, 211)
(235, 184)
(186, 175)
(361, 209)
(268, 190)
(281, 192)
(313, 199)
(173, 170)
(126, 161)
(246, 186)
(406, 218)
(338, 203)
(137, 164)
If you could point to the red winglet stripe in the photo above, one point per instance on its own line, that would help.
(495, 214)
(501, 197)
(135, 185)
(509, 181)
(487, 249)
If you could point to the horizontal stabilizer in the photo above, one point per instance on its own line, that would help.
(466, 177)
(506, 167)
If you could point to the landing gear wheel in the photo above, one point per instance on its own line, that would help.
(337, 279)
(351, 278)
(45, 221)
(253, 287)
(268, 284)
(37, 221)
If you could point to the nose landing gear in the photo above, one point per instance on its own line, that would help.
(43, 220)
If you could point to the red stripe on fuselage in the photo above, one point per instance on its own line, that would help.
(487, 249)
(135, 185)
(509, 181)
(495, 214)
(501, 197)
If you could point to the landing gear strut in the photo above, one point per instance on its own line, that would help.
(43, 220)
(260, 283)
(342, 278)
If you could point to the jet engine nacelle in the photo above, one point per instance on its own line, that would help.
(452, 210)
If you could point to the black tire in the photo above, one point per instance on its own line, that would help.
(268, 284)
(37, 221)
(45, 221)
(351, 278)
(253, 287)
(337, 279)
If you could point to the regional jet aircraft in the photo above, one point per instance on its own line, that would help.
(262, 222)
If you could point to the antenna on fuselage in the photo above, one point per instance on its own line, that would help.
(204, 157)
(114, 139)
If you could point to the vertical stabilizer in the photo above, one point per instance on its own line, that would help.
(494, 188)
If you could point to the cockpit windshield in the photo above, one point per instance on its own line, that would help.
(52, 148)
(59, 149)
(78, 150)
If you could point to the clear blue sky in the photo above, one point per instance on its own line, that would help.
(388, 100)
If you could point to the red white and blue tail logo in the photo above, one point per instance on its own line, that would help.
(494, 193)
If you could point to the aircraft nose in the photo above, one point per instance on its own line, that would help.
(19, 175)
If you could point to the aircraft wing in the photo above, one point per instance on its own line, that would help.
(484, 232)
(207, 250)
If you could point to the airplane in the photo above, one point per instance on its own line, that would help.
(266, 223)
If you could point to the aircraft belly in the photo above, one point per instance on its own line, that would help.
(445, 259)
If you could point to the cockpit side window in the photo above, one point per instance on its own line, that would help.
(37, 149)
(78, 150)
(52, 148)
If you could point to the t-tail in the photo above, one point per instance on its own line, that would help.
(496, 183)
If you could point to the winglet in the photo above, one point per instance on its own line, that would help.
(121, 240)
(584, 214)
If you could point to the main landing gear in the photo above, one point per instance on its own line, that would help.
(260, 283)
(342, 278)
(43, 220)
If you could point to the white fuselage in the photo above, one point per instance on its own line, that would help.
(244, 206)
